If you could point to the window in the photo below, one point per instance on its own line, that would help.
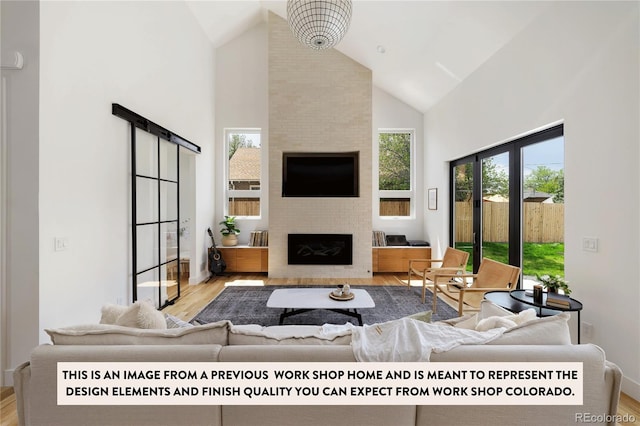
(243, 172)
(507, 204)
(395, 173)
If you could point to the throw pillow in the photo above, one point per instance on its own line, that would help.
(175, 322)
(553, 330)
(467, 321)
(421, 316)
(142, 315)
(490, 309)
(111, 312)
(494, 322)
(506, 321)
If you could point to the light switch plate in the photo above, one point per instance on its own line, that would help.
(61, 243)
(590, 244)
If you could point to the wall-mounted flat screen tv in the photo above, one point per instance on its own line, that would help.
(320, 174)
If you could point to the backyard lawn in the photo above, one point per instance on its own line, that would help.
(538, 258)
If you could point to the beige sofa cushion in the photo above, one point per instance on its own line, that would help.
(104, 334)
(253, 334)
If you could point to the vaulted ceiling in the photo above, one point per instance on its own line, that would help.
(429, 46)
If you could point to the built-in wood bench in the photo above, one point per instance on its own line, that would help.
(396, 258)
(245, 258)
(384, 259)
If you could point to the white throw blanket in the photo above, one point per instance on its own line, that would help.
(407, 340)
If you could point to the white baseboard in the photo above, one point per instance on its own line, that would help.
(199, 279)
(631, 388)
(7, 378)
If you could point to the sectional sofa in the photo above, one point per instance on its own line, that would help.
(544, 340)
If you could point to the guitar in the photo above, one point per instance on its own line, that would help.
(217, 265)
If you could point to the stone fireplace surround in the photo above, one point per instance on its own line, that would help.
(318, 101)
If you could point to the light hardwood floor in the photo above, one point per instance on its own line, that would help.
(195, 297)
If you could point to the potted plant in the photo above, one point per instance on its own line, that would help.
(229, 231)
(554, 283)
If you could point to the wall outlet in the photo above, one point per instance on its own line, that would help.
(587, 329)
(590, 244)
(60, 243)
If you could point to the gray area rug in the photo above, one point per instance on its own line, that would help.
(248, 305)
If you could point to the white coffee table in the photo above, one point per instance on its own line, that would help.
(298, 300)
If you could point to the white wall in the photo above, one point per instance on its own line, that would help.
(19, 286)
(578, 63)
(242, 102)
(391, 113)
(153, 58)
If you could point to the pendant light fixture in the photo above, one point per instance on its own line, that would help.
(319, 24)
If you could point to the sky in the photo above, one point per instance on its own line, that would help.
(549, 153)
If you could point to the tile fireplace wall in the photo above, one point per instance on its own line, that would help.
(319, 101)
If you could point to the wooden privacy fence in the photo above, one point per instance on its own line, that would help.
(251, 207)
(244, 207)
(542, 222)
(395, 207)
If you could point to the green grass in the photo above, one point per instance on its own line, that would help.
(538, 258)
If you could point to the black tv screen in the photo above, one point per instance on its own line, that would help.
(326, 174)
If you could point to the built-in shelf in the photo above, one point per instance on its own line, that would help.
(396, 258)
(384, 259)
(245, 258)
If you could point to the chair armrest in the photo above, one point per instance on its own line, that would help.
(450, 268)
(484, 289)
(429, 261)
(456, 275)
(420, 271)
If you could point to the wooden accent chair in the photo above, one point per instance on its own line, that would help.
(491, 276)
(452, 261)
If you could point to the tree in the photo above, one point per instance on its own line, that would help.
(395, 161)
(495, 180)
(238, 140)
(548, 181)
(464, 182)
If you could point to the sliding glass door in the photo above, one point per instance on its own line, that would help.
(542, 202)
(156, 199)
(494, 207)
(507, 204)
(160, 244)
(463, 236)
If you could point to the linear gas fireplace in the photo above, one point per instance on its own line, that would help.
(320, 249)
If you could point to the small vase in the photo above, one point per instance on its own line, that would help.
(552, 290)
(230, 240)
